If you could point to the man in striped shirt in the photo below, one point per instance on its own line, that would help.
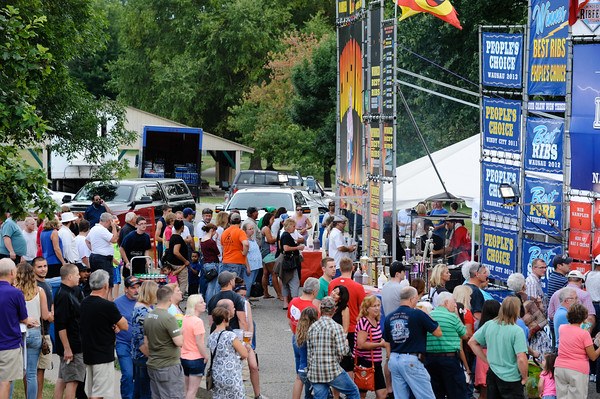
(442, 360)
(558, 277)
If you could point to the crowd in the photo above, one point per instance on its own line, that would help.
(411, 338)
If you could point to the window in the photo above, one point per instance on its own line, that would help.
(176, 190)
(261, 200)
(153, 192)
(300, 200)
(139, 193)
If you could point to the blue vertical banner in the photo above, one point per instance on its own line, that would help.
(499, 251)
(544, 145)
(493, 175)
(539, 250)
(585, 118)
(502, 59)
(548, 32)
(543, 208)
(501, 125)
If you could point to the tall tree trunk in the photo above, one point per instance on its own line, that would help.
(327, 174)
(255, 162)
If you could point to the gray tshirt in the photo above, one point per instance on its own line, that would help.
(390, 295)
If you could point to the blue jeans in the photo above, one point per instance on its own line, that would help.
(141, 382)
(234, 268)
(409, 374)
(249, 280)
(126, 364)
(212, 286)
(342, 383)
(34, 347)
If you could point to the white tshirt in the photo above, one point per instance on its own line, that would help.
(31, 240)
(336, 240)
(184, 234)
(82, 249)
(67, 237)
(198, 232)
(99, 238)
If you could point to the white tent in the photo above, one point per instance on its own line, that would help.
(458, 165)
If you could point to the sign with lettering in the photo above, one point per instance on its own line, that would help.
(539, 250)
(493, 175)
(580, 215)
(543, 208)
(580, 244)
(499, 251)
(549, 29)
(544, 145)
(502, 59)
(596, 244)
(584, 129)
(588, 19)
(501, 125)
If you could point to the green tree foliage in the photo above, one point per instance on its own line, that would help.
(40, 103)
(314, 105)
(191, 60)
(444, 122)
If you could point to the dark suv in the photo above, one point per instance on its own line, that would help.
(256, 178)
(128, 195)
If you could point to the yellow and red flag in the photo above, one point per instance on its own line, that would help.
(442, 9)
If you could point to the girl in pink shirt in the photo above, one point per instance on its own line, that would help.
(546, 385)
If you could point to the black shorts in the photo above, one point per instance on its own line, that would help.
(347, 362)
(379, 377)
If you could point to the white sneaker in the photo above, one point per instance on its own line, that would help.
(592, 377)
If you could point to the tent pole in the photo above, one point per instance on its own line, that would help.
(414, 123)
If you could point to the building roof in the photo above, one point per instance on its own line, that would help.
(137, 119)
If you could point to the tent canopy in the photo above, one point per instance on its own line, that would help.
(459, 167)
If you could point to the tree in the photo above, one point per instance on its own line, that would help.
(40, 103)
(314, 104)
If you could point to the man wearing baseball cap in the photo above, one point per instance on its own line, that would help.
(125, 304)
(226, 281)
(326, 345)
(206, 218)
(558, 277)
(575, 282)
(252, 214)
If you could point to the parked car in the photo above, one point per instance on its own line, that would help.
(128, 195)
(256, 178)
(59, 196)
(264, 197)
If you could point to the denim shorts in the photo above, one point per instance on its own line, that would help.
(193, 367)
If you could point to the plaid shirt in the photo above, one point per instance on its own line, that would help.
(534, 291)
(327, 344)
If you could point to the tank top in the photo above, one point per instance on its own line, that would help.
(48, 249)
(33, 306)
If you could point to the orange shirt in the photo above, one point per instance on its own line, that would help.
(232, 239)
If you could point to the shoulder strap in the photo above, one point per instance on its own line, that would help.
(213, 354)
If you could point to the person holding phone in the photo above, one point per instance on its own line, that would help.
(96, 208)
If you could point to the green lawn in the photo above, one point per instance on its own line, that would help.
(19, 391)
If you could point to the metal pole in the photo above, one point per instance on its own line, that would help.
(524, 116)
(481, 142)
(567, 139)
(414, 123)
(395, 143)
(338, 164)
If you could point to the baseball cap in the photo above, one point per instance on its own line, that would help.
(327, 303)
(338, 218)
(560, 259)
(131, 281)
(235, 217)
(597, 260)
(188, 211)
(206, 211)
(284, 216)
(225, 277)
(575, 274)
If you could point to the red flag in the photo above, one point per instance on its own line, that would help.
(442, 9)
(574, 7)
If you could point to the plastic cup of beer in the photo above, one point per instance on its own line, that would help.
(248, 337)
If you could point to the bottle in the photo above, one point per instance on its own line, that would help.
(358, 276)
(366, 278)
(317, 244)
(382, 279)
(310, 243)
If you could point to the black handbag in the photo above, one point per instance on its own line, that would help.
(290, 262)
(211, 274)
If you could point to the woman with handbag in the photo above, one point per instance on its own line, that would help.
(368, 371)
(225, 372)
(37, 309)
(290, 265)
(210, 252)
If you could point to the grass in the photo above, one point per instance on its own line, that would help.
(19, 390)
(212, 200)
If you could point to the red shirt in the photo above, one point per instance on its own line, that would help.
(357, 294)
(295, 308)
(461, 244)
